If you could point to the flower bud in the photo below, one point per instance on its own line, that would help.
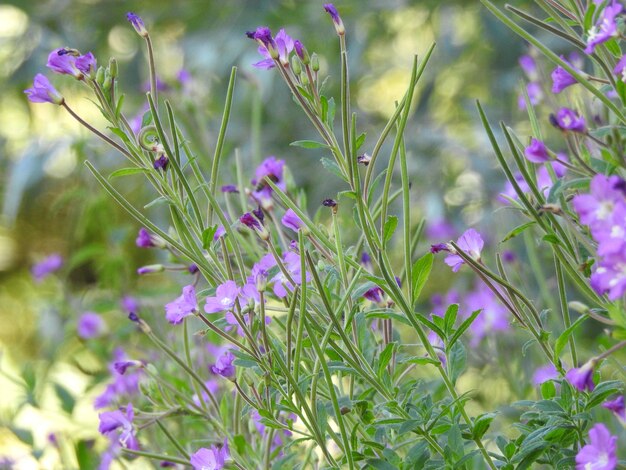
(301, 52)
(304, 79)
(315, 63)
(151, 269)
(334, 14)
(113, 70)
(296, 65)
(108, 81)
(137, 23)
(100, 76)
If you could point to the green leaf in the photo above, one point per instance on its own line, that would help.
(332, 166)
(564, 337)
(561, 186)
(389, 228)
(481, 425)
(379, 464)
(450, 317)
(127, 171)
(207, 236)
(420, 273)
(517, 230)
(457, 360)
(87, 459)
(385, 358)
(118, 107)
(420, 360)
(146, 120)
(308, 144)
(67, 400)
(603, 391)
(360, 140)
(548, 390)
(464, 326)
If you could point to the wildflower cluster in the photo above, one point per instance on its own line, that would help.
(295, 338)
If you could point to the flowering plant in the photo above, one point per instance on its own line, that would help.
(323, 352)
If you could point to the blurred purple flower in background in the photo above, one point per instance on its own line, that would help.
(46, 266)
(90, 325)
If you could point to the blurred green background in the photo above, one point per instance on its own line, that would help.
(51, 204)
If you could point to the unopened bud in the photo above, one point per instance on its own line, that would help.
(296, 65)
(151, 269)
(113, 71)
(100, 76)
(106, 84)
(315, 63)
(304, 79)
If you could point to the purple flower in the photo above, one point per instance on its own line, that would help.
(292, 221)
(334, 14)
(225, 296)
(111, 421)
(224, 365)
(545, 373)
(617, 407)
(374, 295)
(122, 366)
(219, 233)
(43, 91)
(610, 276)
(182, 307)
(470, 242)
(605, 28)
(568, 120)
(611, 232)
(620, 68)
(87, 64)
(493, 316)
(272, 169)
(121, 385)
(146, 239)
(64, 61)
(130, 304)
(90, 325)
(229, 188)
(283, 43)
(161, 163)
(561, 78)
(535, 95)
(440, 302)
(529, 66)
(600, 453)
(253, 223)
(536, 152)
(48, 265)
(267, 45)
(604, 195)
(281, 283)
(440, 229)
(137, 23)
(329, 203)
(210, 459)
(581, 377)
